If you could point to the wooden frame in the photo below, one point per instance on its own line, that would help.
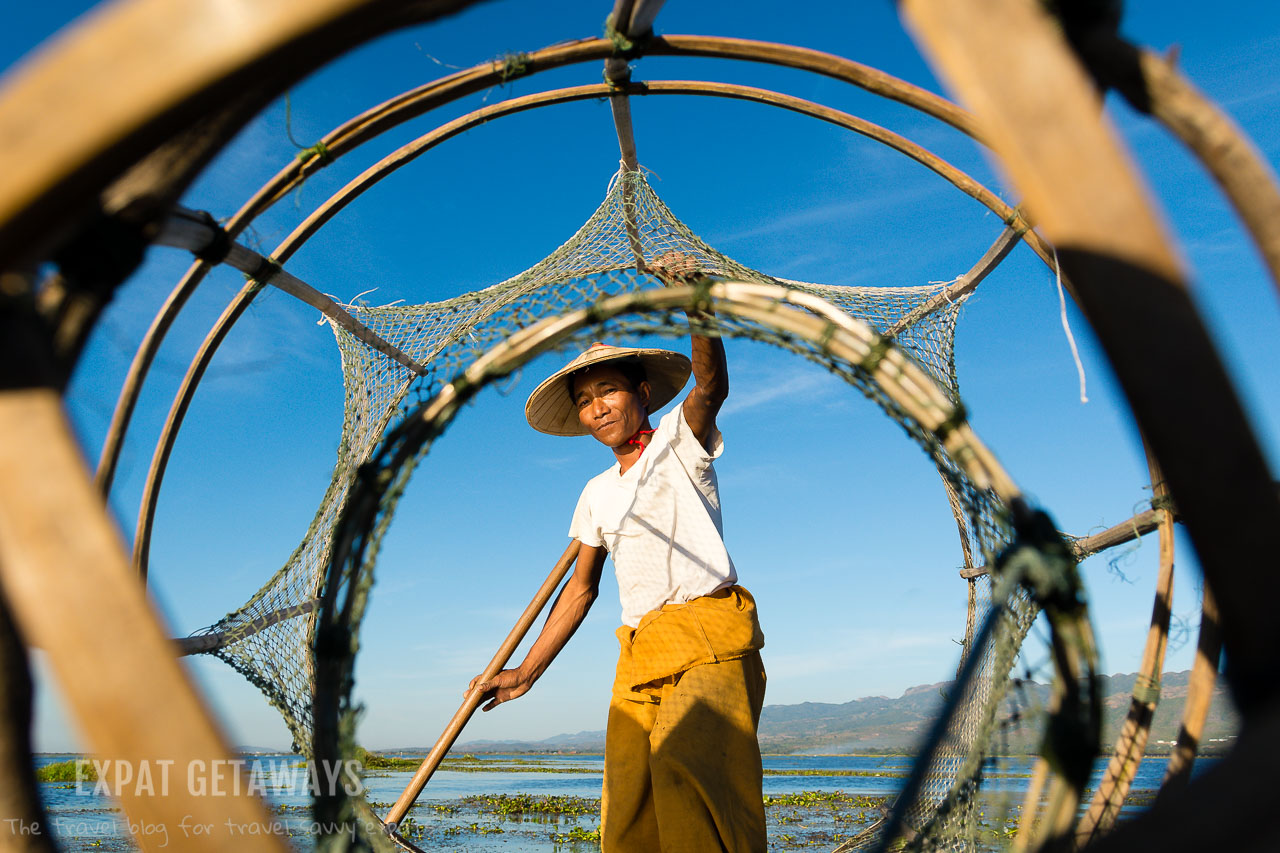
(1044, 125)
(415, 102)
(408, 152)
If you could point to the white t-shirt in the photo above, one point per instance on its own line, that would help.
(660, 521)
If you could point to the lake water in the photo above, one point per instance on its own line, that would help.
(445, 819)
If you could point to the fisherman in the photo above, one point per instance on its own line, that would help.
(682, 765)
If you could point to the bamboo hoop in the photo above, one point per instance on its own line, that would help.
(1044, 125)
(415, 102)
(908, 388)
(410, 151)
(1153, 85)
(1131, 745)
(111, 89)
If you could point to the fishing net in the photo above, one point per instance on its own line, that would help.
(270, 638)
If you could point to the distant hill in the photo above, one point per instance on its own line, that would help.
(880, 724)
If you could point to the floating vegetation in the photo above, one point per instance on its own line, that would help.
(815, 799)
(468, 763)
(72, 770)
(891, 774)
(509, 805)
(577, 835)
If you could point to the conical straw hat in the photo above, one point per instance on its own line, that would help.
(551, 410)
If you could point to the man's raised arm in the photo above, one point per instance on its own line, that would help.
(710, 369)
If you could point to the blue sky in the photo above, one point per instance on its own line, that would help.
(835, 520)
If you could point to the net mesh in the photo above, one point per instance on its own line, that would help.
(269, 638)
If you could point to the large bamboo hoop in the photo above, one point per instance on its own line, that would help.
(914, 395)
(1131, 745)
(415, 102)
(1045, 126)
(136, 73)
(410, 151)
(65, 577)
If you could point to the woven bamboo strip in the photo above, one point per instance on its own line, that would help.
(473, 697)
(412, 150)
(63, 572)
(1131, 745)
(1044, 124)
(417, 101)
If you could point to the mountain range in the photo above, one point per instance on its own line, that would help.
(882, 724)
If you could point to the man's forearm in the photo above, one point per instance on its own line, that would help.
(567, 613)
(710, 368)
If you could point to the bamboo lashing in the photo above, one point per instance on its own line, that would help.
(617, 73)
(473, 697)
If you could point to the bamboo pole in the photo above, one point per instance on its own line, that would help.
(473, 697)
(965, 284)
(198, 233)
(1126, 531)
(63, 573)
(407, 153)
(1043, 123)
(1131, 745)
(205, 643)
(1204, 678)
(415, 102)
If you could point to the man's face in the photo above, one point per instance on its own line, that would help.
(609, 407)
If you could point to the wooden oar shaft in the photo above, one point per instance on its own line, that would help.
(472, 701)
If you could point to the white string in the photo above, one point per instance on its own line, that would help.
(1066, 326)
